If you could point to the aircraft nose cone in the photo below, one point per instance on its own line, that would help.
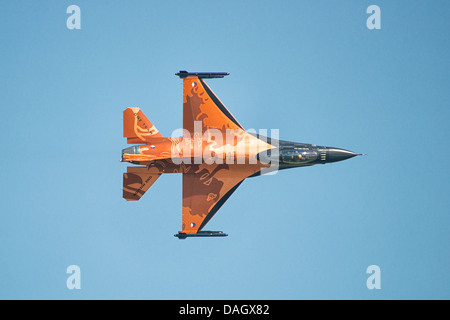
(336, 154)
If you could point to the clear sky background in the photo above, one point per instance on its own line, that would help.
(311, 69)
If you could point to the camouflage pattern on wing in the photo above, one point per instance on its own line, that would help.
(206, 189)
(201, 104)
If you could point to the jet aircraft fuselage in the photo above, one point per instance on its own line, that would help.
(215, 154)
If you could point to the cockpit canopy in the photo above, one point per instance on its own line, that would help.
(297, 156)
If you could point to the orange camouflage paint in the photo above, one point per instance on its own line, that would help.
(214, 155)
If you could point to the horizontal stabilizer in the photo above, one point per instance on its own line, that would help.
(137, 180)
(137, 128)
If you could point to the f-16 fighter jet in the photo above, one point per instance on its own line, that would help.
(215, 154)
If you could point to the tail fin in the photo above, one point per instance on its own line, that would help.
(137, 128)
(137, 180)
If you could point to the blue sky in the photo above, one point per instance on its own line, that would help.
(311, 69)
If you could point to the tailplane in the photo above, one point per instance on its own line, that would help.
(137, 128)
(137, 180)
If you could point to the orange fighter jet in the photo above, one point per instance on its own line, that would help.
(215, 154)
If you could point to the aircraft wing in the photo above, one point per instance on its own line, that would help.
(201, 104)
(205, 190)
